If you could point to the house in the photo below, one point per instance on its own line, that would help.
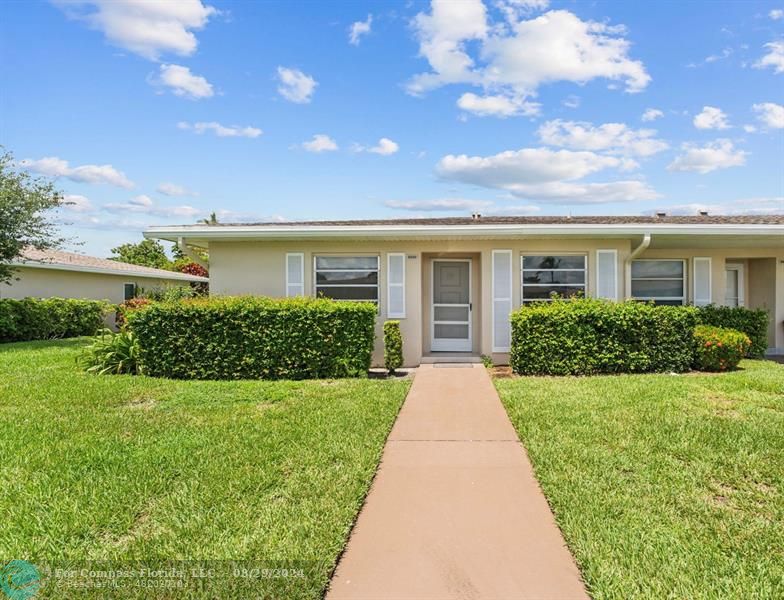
(52, 273)
(452, 282)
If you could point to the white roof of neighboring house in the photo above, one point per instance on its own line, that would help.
(70, 261)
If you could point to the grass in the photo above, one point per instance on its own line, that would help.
(117, 468)
(664, 486)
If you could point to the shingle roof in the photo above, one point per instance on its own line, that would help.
(81, 262)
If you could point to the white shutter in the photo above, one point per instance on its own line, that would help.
(701, 274)
(502, 299)
(295, 274)
(396, 285)
(607, 274)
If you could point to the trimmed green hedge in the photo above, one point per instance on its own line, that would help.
(393, 346)
(752, 322)
(250, 337)
(50, 318)
(588, 336)
(718, 348)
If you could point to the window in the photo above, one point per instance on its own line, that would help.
(663, 281)
(546, 275)
(129, 291)
(347, 277)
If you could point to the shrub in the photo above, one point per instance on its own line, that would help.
(170, 293)
(718, 348)
(128, 306)
(50, 318)
(112, 354)
(588, 336)
(255, 338)
(393, 346)
(752, 322)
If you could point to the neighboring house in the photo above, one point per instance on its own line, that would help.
(452, 282)
(51, 273)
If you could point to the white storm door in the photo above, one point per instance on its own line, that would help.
(451, 307)
(733, 295)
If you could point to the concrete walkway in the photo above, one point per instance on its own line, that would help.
(455, 511)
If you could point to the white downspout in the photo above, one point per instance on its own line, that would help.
(646, 241)
(188, 251)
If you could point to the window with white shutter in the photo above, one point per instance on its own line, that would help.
(295, 274)
(396, 285)
(607, 274)
(702, 280)
(502, 299)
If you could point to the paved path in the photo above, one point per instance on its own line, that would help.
(455, 511)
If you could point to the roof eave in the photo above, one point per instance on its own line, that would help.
(100, 270)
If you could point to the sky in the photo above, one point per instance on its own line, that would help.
(151, 113)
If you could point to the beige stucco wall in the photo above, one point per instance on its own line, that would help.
(50, 283)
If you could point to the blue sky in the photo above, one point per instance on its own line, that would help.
(153, 113)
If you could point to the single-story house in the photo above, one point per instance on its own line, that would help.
(452, 282)
(53, 273)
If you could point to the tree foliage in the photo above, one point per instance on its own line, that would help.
(26, 203)
(147, 253)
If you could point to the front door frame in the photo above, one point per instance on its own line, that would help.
(444, 345)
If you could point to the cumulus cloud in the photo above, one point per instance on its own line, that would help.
(546, 175)
(774, 58)
(181, 82)
(77, 203)
(513, 60)
(219, 130)
(52, 166)
(174, 190)
(358, 29)
(711, 118)
(743, 206)
(651, 114)
(384, 147)
(143, 204)
(497, 106)
(295, 86)
(776, 14)
(440, 205)
(720, 154)
(614, 138)
(320, 143)
(771, 114)
(144, 28)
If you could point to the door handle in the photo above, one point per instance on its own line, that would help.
(470, 307)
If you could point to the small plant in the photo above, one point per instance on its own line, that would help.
(487, 361)
(718, 348)
(112, 354)
(393, 346)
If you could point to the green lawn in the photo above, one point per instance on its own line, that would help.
(665, 486)
(118, 468)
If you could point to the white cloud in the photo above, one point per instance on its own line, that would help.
(749, 128)
(320, 143)
(497, 106)
(545, 175)
(144, 28)
(385, 147)
(143, 204)
(776, 14)
(513, 60)
(651, 114)
(172, 189)
(52, 166)
(183, 83)
(295, 85)
(611, 137)
(774, 58)
(77, 203)
(771, 114)
(358, 29)
(744, 206)
(221, 130)
(720, 154)
(440, 205)
(711, 118)
(571, 101)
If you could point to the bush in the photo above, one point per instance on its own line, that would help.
(752, 322)
(393, 346)
(128, 306)
(588, 336)
(170, 293)
(718, 348)
(50, 318)
(255, 338)
(112, 354)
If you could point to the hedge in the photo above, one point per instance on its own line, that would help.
(254, 338)
(50, 318)
(589, 336)
(718, 348)
(393, 346)
(752, 322)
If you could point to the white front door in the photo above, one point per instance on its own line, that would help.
(451, 306)
(733, 295)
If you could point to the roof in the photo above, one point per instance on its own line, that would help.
(70, 261)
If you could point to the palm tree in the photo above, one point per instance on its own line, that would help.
(213, 219)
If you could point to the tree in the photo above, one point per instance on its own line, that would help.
(26, 203)
(147, 253)
(212, 220)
